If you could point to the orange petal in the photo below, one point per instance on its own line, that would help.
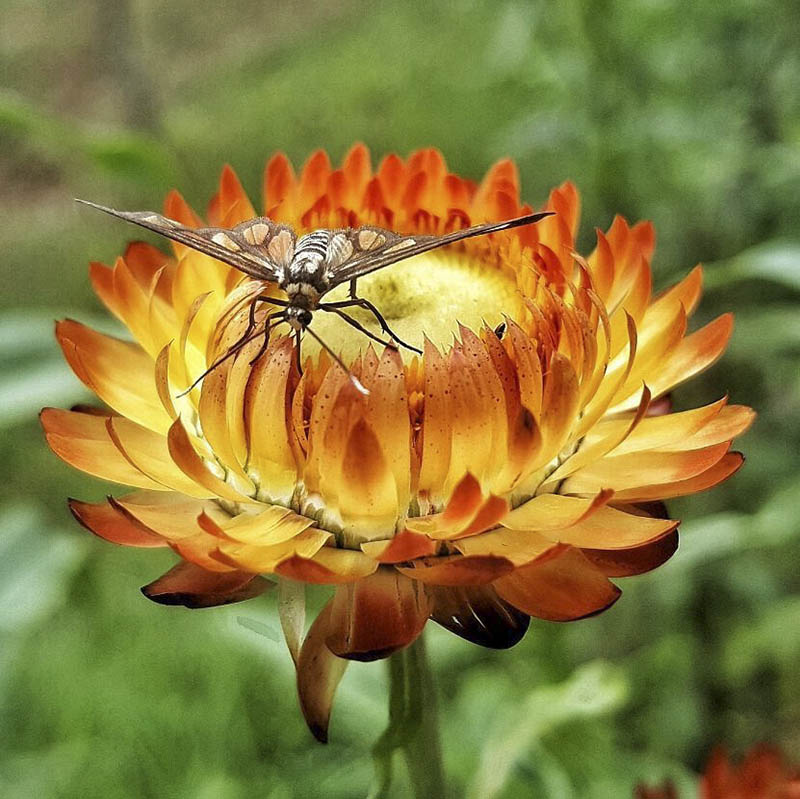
(108, 522)
(188, 585)
(279, 181)
(658, 431)
(367, 490)
(458, 569)
(102, 279)
(637, 560)
(732, 421)
(171, 516)
(196, 468)
(721, 470)
(622, 472)
(374, 617)
(687, 293)
(83, 441)
(267, 410)
(357, 169)
(149, 452)
(265, 559)
(691, 356)
(588, 453)
(464, 502)
(554, 512)
(436, 427)
(328, 566)
(234, 204)
(392, 176)
(313, 179)
(562, 588)
(119, 372)
(479, 615)
(319, 672)
(559, 408)
(610, 528)
(271, 525)
(517, 547)
(403, 546)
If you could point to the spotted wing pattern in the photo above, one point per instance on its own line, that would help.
(363, 250)
(259, 247)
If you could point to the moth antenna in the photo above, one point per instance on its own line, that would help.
(353, 379)
(231, 352)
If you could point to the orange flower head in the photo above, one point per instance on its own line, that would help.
(507, 472)
(762, 774)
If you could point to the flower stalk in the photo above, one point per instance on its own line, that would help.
(413, 728)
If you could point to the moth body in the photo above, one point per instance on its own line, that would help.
(308, 275)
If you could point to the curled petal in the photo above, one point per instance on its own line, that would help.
(188, 460)
(376, 616)
(479, 615)
(193, 587)
(319, 672)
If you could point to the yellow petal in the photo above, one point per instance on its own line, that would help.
(119, 372)
(83, 441)
(622, 472)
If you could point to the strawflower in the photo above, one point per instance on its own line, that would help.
(762, 774)
(508, 472)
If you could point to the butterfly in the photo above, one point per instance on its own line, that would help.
(306, 268)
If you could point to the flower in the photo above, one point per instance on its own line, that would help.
(762, 774)
(509, 472)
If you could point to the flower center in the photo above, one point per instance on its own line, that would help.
(426, 295)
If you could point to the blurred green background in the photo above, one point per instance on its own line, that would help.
(686, 113)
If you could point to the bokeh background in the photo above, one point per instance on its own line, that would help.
(684, 112)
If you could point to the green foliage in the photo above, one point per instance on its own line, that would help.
(686, 113)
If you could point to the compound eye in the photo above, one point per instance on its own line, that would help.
(305, 318)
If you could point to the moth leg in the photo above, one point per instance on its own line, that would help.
(363, 303)
(358, 326)
(268, 327)
(232, 351)
(297, 353)
(252, 320)
(353, 295)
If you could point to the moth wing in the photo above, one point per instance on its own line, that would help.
(258, 247)
(388, 248)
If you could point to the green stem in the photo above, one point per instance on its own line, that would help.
(413, 726)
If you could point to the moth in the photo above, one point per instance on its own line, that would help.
(307, 268)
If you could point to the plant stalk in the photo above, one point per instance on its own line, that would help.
(413, 729)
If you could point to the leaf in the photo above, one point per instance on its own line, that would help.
(592, 690)
(36, 563)
(774, 638)
(777, 260)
